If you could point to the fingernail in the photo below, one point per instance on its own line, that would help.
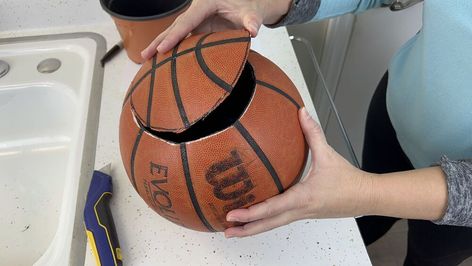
(161, 46)
(231, 219)
(229, 235)
(305, 112)
(254, 27)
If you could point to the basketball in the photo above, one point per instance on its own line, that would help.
(209, 127)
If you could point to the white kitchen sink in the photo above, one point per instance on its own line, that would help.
(48, 130)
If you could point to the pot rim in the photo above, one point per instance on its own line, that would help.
(144, 18)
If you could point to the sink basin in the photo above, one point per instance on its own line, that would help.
(48, 129)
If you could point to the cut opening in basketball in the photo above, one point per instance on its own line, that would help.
(222, 117)
(209, 127)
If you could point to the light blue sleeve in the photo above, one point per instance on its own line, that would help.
(302, 11)
(333, 8)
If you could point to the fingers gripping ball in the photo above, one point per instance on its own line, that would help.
(210, 127)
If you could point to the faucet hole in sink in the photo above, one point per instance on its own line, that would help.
(49, 65)
(4, 68)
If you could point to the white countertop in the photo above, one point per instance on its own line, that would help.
(148, 239)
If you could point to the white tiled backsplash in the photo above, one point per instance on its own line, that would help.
(35, 14)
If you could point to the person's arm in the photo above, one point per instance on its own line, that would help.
(333, 188)
(216, 15)
(442, 193)
(459, 187)
(302, 11)
(416, 194)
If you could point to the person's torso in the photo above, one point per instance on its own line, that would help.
(429, 97)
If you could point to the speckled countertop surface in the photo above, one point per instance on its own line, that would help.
(148, 239)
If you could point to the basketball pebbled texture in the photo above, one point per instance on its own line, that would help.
(196, 183)
(211, 64)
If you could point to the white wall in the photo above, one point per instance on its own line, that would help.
(34, 14)
(376, 36)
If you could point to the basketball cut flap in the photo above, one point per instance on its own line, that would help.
(184, 85)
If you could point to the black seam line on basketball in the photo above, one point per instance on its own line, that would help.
(151, 92)
(175, 86)
(206, 45)
(260, 153)
(201, 62)
(136, 85)
(283, 93)
(133, 155)
(191, 191)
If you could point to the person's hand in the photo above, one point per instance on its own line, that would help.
(333, 188)
(218, 15)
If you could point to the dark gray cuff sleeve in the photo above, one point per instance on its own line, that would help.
(301, 11)
(459, 188)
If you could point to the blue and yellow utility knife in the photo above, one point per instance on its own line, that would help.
(99, 224)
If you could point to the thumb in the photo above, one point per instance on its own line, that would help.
(252, 23)
(312, 130)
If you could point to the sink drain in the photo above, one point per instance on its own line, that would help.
(4, 68)
(49, 65)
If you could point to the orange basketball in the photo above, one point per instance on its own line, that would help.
(210, 127)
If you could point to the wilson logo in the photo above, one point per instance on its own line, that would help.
(231, 182)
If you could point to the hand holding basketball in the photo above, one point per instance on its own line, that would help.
(333, 188)
(217, 15)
